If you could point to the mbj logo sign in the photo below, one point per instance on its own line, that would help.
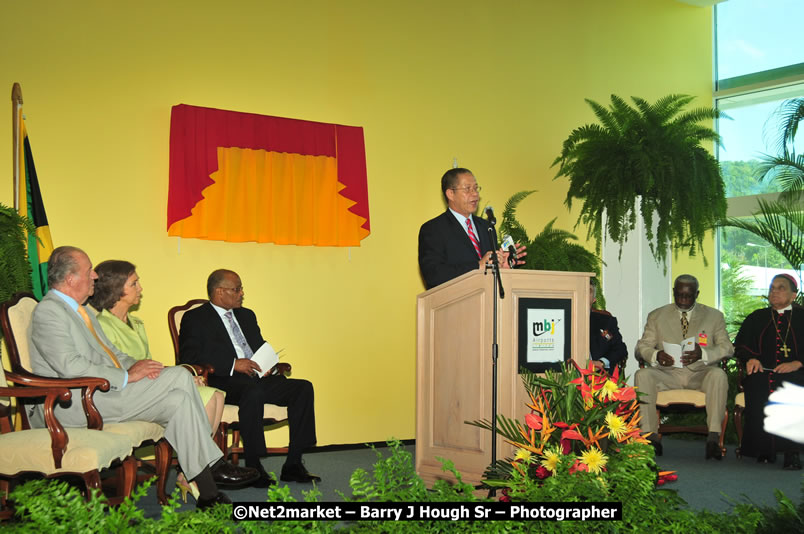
(548, 326)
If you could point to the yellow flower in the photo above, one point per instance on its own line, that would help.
(550, 461)
(617, 427)
(523, 455)
(608, 390)
(594, 459)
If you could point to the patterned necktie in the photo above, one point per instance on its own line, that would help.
(473, 237)
(83, 313)
(240, 339)
(685, 324)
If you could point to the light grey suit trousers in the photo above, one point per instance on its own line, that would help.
(62, 346)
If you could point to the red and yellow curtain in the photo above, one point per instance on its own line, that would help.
(244, 177)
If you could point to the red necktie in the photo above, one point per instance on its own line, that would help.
(473, 237)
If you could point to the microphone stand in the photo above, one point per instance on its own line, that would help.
(494, 347)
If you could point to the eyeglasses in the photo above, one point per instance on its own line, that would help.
(468, 189)
(237, 289)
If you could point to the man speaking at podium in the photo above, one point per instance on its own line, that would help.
(457, 241)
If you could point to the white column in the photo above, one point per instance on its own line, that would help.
(634, 285)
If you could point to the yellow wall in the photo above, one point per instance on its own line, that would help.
(497, 85)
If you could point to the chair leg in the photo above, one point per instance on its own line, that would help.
(723, 433)
(235, 441)
(128, 476)
(738, 426)
(220, 439)
(163, 454)
(92, 481)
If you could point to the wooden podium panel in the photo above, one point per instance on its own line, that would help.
(454, 364)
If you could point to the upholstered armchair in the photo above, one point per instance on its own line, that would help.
(15, 319)
(272, 414)
(55, 451)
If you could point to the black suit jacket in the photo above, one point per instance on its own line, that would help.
(605, 340)
(203, 339)
(445, 250)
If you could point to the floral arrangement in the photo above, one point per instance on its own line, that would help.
(582, 421)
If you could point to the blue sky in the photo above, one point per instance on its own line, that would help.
(753, 36)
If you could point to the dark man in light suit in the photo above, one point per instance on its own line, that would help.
(700, 366)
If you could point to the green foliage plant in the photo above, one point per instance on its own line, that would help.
(552, 249)
(15, 271)
(651, 159)
(55, 506)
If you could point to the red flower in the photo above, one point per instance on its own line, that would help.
(542, 472)
(578, 466)
(626, 394)
(533, 421)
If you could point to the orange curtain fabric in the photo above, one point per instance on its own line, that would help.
(245, 177)
(270, 197)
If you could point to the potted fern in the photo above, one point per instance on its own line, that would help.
(648, 159)
(552, 249)
(15, 271)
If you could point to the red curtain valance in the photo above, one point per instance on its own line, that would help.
(196, 133)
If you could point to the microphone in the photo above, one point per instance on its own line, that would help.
(490, 216)
(508, 244)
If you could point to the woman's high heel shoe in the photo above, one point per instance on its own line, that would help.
(187, 487)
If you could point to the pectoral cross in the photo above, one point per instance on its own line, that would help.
(786, 351)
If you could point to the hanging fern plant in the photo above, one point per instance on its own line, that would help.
(648, 158)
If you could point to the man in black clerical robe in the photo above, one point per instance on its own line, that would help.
(770, 344)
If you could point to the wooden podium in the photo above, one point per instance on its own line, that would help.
(454, 362)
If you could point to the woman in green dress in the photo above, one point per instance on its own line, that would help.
(117, 290)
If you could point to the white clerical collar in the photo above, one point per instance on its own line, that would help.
(789, 308)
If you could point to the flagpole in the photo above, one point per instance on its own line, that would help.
(16, 107)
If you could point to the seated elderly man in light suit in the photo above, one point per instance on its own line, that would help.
(699, 367)
(67, 342)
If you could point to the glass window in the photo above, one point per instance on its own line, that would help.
(757, 35)
(750, 132)
(759, 63)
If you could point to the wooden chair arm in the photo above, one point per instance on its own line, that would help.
(58, 437)
(199, 369)
(88, 386)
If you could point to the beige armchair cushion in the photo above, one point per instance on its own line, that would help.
(137, 432)
(739, 400)
(681, 396)
(87, 450)
(270, 411)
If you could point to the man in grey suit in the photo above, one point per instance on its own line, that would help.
(67, 342)
(698, 368)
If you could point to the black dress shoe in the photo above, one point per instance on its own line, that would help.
(766, 458)
(657, 447)
(226, 474)
(792, 461)
(713, 450)
(264, 481)
(218, 498)
(297, 473)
